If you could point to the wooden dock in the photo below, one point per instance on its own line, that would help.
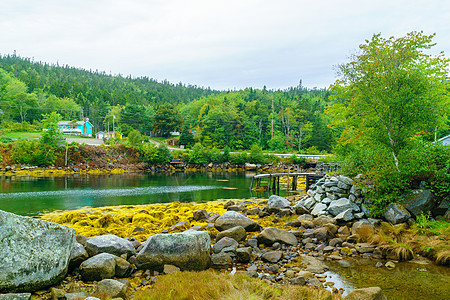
(274, 180)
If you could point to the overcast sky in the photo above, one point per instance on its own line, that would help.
(221, 44)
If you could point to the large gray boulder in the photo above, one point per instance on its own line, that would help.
(232, 219)
(226, 245)
(237, 233)
(111, 244)
(396, 213)
(189, 250)
(276, 203)
(23, 296)
(98, 267)
(418, 201)
(34, 254)
(319, 210)
(341, 205)
(272, 235)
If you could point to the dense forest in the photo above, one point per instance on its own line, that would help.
(291, 119)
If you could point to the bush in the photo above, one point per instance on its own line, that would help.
(198, 155)
(239, 159)
(294, 159)
(256, 155)
(32, 153)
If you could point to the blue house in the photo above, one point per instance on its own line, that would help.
(84, 127)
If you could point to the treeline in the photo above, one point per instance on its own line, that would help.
(291, 119)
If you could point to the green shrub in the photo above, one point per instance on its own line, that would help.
(198, 154)
(294, 159)
(239, 159)
(32, 153)
(256, 155)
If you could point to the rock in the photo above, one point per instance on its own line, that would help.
(252, 243)
(123, 268)
(418, 201)
(298, 281)
(364, 248)
(55, 293)
(305, 217)
(98, 267)
(314, 265)
(315, 282)
(237, 207)
(442, 208)
(78, 255)
(343, 186)
(326, 201)
(22, 296)
(272, 256)
(222, 259)
(213, 218)
(309, 203)
(81, 239)
(346, 216)
(111, 244)
(232, 219)
(237, 233)
(321, 234)
(228, 204)
(271, 235)
(371, 293)
(341, 205)
(300, 209)
(110, 288)
(322, 220)
(244, 255)
(319, 209)
(200, 214)
(276, 203)
(396, 213)
(75, 296)
(226, 244)
(345, 180)
(363, 225)
(169, 269)
(390, 265)
(253, 211)
(34, 254)
(189, 250)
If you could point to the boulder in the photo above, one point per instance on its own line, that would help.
(111, 244)
(226, 245)
(110, 288)
(200, 214)
(363, 225)
(34, 254)
(370, 293)
(237, 233)
(78, 255)
(222, 259)
(341, 205)
(396, 213)
(232, 219)
(244, 255)
(189, 250)
(345, 179)
(346, 215)
(75, 296)
(309, 203)
(418, 201)
(314, 265)
(272, 256)
(98, 267)
(272, 235)
(123, 268)
(319, 209)
(276, 203)
(442, 208)
(322, 220)
(300, 209)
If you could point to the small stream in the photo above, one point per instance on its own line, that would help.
(408, 280)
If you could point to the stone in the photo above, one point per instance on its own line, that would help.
(418, 201)
(253, 211)
(98, 267)
(169, 269)
(81, 239)
(326, 200)
(111, 244)
(200, 214)
(232, 219)
(55, 293)
(222, 259)
(319, 209)
(442, 208)
(321, 233)
(298, 281)
(364, 248)
(309, 203)
(226, 244)
(237, 207)
(228, 204)
(328, 249)
(346, 216)
(271, 235)
(319, 197)
(345, 179)
(123, 268)
(314, 265)
(244, 255)
(300, 209)
(276, 203)
(237, 233)
(21, 296)
(110, 288)
(34, 254)
(77, 255)
(363, 225)
(315, 282)
(76, 296)
(370, 293)
(253, 242)
(189, 250)
(213, 218)
(337, 190)
(322, 220)
(341, 205)
(343, 186)
(272, 256)
(306, 217)
(390, 265)
(396, 213)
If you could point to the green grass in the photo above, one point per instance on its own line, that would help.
(22, 135)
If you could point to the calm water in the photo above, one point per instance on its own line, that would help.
(32, 195)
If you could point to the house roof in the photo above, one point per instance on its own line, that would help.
(71, 122)
(444, 138)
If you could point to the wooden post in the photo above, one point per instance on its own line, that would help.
(268, 184)
(251, 185)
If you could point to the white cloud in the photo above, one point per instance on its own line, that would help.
(222, 44)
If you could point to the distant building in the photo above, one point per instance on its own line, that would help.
(76, 127)
(108, 135)
(445, 140)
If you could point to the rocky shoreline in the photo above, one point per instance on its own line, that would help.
(279, 241)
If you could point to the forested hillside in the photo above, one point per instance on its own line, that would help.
(274, 120)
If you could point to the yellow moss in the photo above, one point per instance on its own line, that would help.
(346, 250)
